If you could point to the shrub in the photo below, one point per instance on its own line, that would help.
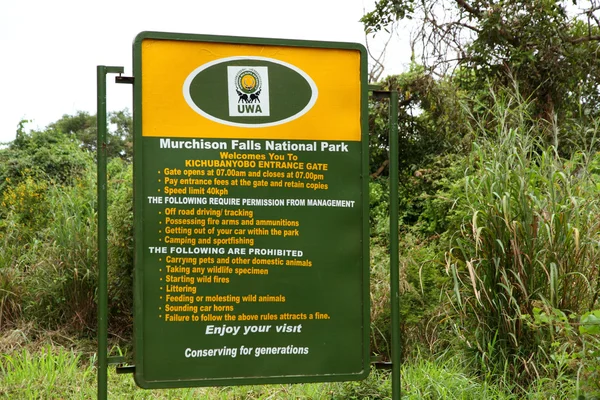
(530, 240)
(62, 285)
(120, 246)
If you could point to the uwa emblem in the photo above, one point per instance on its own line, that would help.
(248, 91)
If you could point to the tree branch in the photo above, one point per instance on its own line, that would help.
(459, 23)
(583, 39)
(380, 169)
(468, 8)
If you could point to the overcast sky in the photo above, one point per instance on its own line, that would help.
(49, 49)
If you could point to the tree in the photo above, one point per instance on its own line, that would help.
(47, 155)
(548, 47)
(58, 153)
(82, 126)
(430, 121)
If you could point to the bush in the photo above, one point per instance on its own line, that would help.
(61, 286)
(120, 247)
(530, 241)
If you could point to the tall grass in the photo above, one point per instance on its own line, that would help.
(120, 247)
(48, 265)
(23, 213)
(528, 245)
(10, 307)
(61, 285)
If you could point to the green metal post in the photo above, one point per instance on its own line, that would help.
(101, 71)
(394, 264)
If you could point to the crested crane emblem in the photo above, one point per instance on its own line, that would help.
(248, 89)
(248, 86)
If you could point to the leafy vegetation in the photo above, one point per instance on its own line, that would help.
(48, 270)
(499, 221)
(527, 245)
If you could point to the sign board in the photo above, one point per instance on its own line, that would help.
(251, 218)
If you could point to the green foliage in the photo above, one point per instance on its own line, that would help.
(25, 204)
(546, 46)
(590, 323)
(380, 303)
(120, 137)
(83, 128)
(376, 386)
(446, 378)
(386, 12)
(530, 239)
(431, 130)
(378, 207)
(430, 121)
(44, 156)
(23, 213)
(421, 277)
(588, 356)
(515, 299)
(10, 296)
(56, 374)
(546, 52)
(52, 372)
(61, 286)
(48, 266)
(120, 245)
(427, 195)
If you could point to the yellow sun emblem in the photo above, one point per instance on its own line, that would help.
(248, 82)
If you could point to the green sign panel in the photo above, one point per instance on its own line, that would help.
(251, 222)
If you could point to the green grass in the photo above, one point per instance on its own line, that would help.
(52, 372)
(59, 373)
(426, 379)
(45, 374)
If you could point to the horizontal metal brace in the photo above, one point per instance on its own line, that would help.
(124, 79)
(374, 87)
(126, 369)
(381, 94)
(116, 360)
(378, 363)
(382, 364)
(114, 70)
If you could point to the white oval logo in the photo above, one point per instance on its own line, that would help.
(250, 92)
